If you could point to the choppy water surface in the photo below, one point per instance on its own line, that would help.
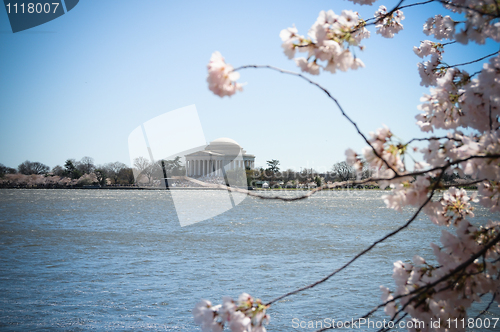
(78, 260)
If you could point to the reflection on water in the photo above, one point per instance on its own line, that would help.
(118, 260)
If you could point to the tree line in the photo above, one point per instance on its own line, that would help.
(72, 173)
(339, 172)
(86, 173)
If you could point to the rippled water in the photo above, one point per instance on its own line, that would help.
(113, 260)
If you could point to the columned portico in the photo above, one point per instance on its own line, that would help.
(220, 153)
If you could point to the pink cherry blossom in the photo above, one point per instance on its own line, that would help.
(221, 77)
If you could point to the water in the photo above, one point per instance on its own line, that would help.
(112, 260)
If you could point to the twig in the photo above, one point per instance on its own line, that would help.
(397, 8)
(464, 184)
(433, 139)
(487, 308)
(470, 62)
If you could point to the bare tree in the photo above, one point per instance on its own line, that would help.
(6, 170)
(144, 167)
(114, 169)
(86, 165)
(343, 171)
(58, 170)
(29, 168)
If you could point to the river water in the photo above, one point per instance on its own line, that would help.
(118, 260)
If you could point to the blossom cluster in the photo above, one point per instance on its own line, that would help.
(432, 69)
(459, 101)
(441, 27)
(388, 23)
(383, 156)
(243, 315)
(481, 20)
(222, 77)
(330, 39)
(453, 290)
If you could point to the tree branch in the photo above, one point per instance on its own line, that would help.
(470, 62)
(487, 307)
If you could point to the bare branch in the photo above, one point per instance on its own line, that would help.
(432, 139)
(397, 7)
(470, 62)
(487, 307)
(465, 184)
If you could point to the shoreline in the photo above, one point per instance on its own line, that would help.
(205, 188)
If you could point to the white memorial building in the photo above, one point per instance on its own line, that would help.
(222, 152)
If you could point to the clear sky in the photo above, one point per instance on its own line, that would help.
(78, 85)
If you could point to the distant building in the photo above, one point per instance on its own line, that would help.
(222, 152)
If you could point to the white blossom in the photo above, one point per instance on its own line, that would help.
(221, 77)
(388, 24)
(439, 26)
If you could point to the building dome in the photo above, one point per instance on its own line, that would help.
(224, 141)
(224, 146)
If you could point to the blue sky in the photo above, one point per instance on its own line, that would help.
(78, 85)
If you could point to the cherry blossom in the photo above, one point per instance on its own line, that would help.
(329, 40)
(388, 24)
(439, 26)
(243, 315)
(428, 48)
(221, 77)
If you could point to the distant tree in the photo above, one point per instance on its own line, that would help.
(28, 168)
(173, 167)
(101, 175)
(272, 165)
(126, 176)
(343, 171)
(6, 170)
(272, 170)
(250, 174)
(144, 168)
(86, 165)
(58, 170)
(366, 172)
(261, 174)
(87, 180)
(318, 181)
(70, 169)
(288, 175)
(114, 170)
